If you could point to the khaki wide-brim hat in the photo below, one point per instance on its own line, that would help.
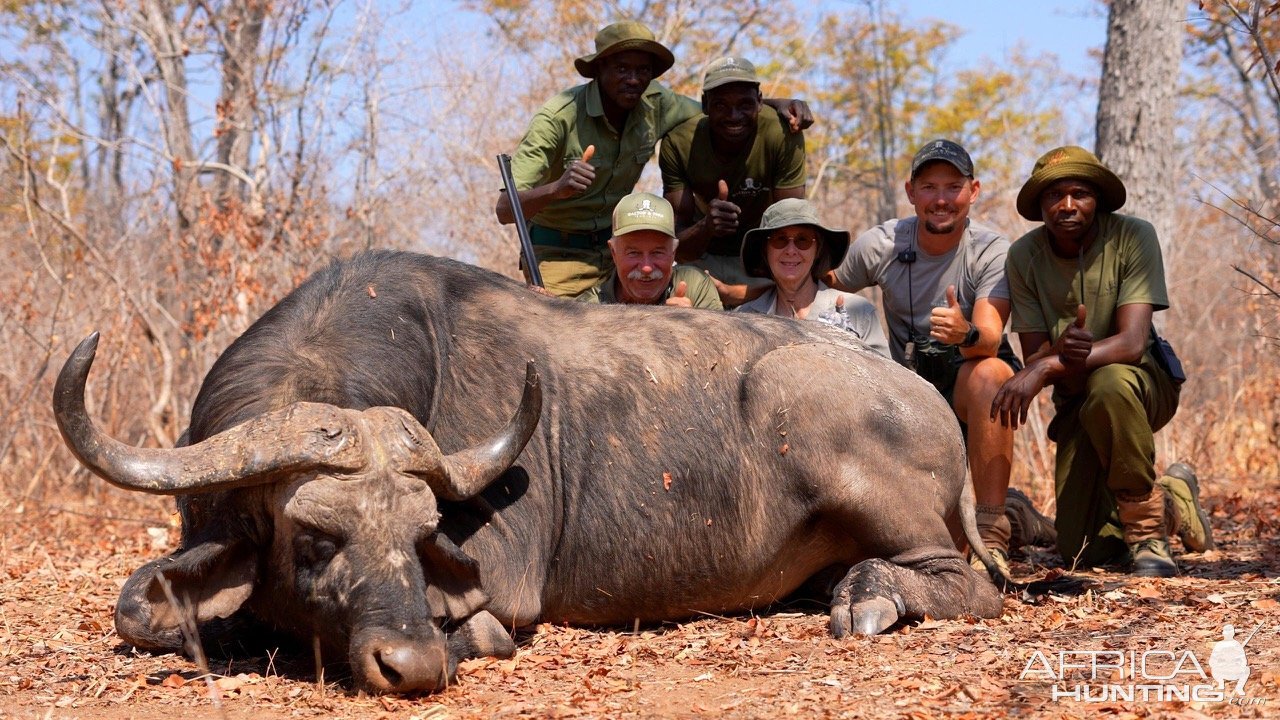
(1076, 163)
(785, 213)
(623, 36)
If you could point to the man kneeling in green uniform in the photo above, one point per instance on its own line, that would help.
(643, 247)
(1084, 287)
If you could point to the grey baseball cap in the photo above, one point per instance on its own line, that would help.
(643, 211)
(727, 70)
(943, 150)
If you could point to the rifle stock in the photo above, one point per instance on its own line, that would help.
(531, 272)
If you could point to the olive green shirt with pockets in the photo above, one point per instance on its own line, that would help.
(1122, 266)
(573, 120)
(698, 288)
(776, 162)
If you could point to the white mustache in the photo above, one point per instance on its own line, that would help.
(637, 274)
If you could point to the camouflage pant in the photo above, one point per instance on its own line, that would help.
(1106, 445)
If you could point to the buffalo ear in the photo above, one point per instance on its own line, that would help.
(453, 578)
(213, 579)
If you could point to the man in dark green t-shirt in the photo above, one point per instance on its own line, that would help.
(586, 147)
(643, 248)
(1084, 287)
(722, 169)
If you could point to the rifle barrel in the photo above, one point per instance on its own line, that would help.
(531, 271)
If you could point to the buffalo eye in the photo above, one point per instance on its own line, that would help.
(313, 549)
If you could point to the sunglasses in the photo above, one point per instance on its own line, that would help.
(778, 242)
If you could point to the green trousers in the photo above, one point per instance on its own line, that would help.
(569, 272)
(1106, 445)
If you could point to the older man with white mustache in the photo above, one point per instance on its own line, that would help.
(643, 247)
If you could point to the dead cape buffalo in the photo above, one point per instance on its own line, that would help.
(372, 464)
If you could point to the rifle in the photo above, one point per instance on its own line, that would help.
(531, 272)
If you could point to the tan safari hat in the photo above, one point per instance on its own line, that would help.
(623, 36)
(785, 213)
(1071, 161)
(727, 70)
(643, 211)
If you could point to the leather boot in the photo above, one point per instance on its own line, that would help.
(1187, 518)
(1143, 518)
(1026, 525)
(993, 528)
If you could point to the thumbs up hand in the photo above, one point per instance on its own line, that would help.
(679, 298)
(1076, 342)
(722, 213)
(947, 323)
(578, 176)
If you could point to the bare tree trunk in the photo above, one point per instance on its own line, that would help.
(165, 37)
(1140, 70)
(240, 35)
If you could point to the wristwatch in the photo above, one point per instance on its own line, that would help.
(971, 338)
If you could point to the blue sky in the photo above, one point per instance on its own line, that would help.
(1070, 29)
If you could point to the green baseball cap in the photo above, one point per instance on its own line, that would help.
(1070, 161)
(785, 213)
(623, 36)
(643, 211)
(727, 70)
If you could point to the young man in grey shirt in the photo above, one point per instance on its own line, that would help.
(947, 301)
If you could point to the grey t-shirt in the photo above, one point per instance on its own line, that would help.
(910, 290)
(859, 314)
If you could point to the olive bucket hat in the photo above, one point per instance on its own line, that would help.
(1076, 163)
(623, 36)
(785, 213)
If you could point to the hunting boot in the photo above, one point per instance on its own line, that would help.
(1026, 525)
(993, 528)
(1187, 518)
(1143, 518)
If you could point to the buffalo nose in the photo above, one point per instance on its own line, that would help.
(389, 663)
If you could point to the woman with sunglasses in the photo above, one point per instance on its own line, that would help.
(794, 249)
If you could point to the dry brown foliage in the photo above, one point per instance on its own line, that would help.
(63, 564)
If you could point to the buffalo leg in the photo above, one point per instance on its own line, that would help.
(877, 593)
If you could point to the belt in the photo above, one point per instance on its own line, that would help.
(561, 238)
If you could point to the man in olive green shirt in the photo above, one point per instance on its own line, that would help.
(643, 248)
(722, 169)
(1084, 287)
(586, 148)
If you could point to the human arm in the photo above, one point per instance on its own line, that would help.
(575, 180)
(795, 114)
(949, 325)
(720, 220)
(1070, 360)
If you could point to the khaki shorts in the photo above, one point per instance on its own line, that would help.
(569, 272)
(728, 270)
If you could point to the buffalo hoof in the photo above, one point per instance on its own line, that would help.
(871, 616)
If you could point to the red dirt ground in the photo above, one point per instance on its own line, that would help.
(62, 566)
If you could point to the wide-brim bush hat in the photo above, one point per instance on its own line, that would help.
(785, 213)
(1070, 162)
(623, 36)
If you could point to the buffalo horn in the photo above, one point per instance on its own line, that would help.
(465, 473)
(299, 438)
